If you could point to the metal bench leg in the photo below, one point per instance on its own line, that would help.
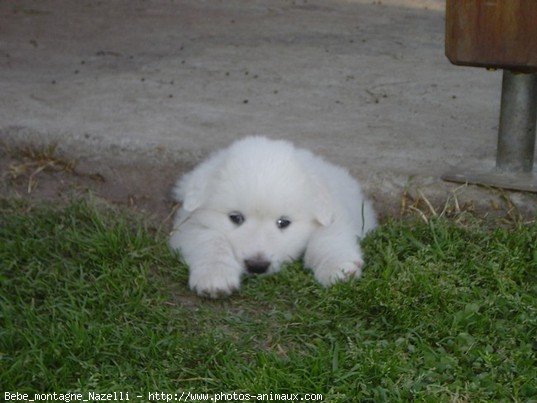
(518, 116)
(516, 138)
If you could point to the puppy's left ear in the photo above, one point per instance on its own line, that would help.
(323, 204)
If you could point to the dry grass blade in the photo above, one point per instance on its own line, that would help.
(456, 206)
(32, 182)
(420, 213)
(14, 171)
(428, 204)
(403, 207)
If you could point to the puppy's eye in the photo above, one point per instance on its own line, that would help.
(236, 218)
(283, 222)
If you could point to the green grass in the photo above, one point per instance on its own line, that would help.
(91, 299)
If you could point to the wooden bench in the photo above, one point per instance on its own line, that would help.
(501, 34)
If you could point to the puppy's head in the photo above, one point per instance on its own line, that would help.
(258, 195)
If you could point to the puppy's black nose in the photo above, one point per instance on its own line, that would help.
(256, 266)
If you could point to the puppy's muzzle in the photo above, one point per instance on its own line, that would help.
(256, 266)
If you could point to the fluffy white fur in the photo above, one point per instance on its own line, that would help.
(269, 184)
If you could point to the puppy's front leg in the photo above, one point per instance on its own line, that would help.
(214, 271)
(333, 254)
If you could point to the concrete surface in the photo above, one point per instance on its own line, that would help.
(138, 91)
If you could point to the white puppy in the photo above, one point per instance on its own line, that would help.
(260, 203)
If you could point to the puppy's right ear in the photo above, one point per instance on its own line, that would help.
(190, 192)
(192, 188)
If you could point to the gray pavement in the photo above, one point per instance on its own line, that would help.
(138, 91)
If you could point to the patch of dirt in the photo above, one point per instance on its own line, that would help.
(43, 174)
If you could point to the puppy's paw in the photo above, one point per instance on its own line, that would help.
(214, 283)
(340, 272)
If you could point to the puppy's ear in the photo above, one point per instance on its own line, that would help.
(190, 191)
(323, 204)
(192, 188)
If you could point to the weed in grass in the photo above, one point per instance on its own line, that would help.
(91, 299)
